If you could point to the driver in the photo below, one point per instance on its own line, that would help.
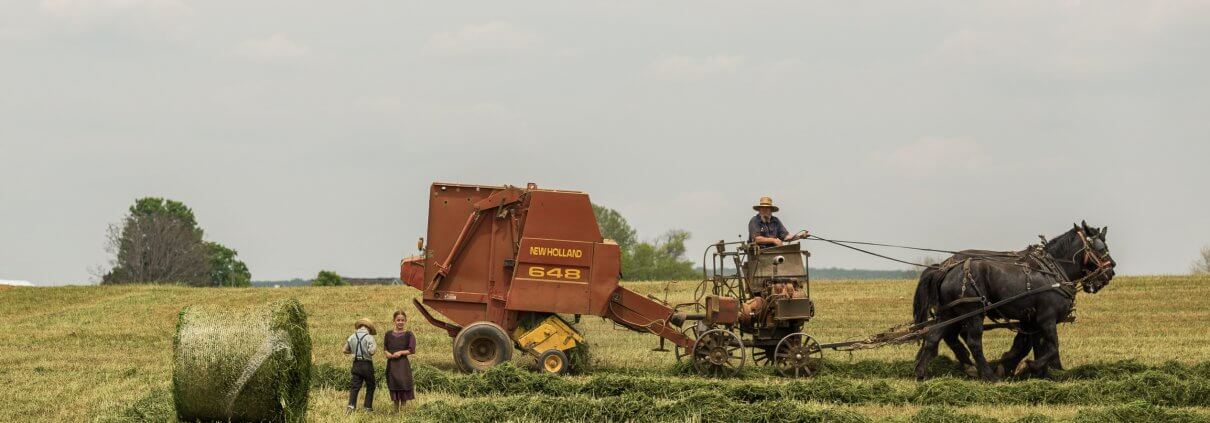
(766, 230)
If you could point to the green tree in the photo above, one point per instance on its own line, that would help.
(155, 206)
(159, 241)
(662, 259)
(328, 278)
(225, 268)
(614, 226)
(659, 260)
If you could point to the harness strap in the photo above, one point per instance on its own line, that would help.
(962, 300)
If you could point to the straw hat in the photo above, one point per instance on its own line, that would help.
(369, 325)
(765, 202)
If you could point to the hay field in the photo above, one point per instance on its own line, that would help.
(104, 353)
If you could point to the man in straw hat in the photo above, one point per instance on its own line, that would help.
(766, 230)
(361, 346)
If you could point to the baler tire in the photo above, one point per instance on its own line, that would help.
(480, 346)
(554, 362)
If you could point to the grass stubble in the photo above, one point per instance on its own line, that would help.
(1138, 353)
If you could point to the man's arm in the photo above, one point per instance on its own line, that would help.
(767, 240)
(346, 349)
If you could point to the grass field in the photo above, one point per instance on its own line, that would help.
(1139, 351)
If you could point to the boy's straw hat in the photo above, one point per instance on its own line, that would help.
(367, 323)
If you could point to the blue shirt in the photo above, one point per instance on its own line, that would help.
(772, 229)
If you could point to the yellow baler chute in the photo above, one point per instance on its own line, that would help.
(549, 342)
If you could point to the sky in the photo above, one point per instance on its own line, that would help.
(305, 135)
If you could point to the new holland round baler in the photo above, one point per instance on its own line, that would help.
(501, 263)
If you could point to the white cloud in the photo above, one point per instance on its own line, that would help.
(495, 38)
(274, 46)
(928, 156)
(15, 283)
(685, 68)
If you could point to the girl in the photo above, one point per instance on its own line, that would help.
(399, 344)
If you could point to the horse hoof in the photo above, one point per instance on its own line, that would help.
(971, 371)
(1026, 366)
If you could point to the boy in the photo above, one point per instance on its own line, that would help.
(361, 345)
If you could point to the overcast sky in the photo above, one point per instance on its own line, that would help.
(305, 134)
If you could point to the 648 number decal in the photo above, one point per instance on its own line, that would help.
(554, 273)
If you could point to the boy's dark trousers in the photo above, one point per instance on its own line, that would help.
(363, 371)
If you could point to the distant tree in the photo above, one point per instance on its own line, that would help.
(159, 241)
(225, 268)
(328, 278)
(659, 260)
(1202, 265)
(614, 226)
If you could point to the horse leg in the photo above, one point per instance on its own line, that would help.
(1047, 351)
(1056, 363)
(972, 333)
(960, 352)
(928, 351)
(1011, 358)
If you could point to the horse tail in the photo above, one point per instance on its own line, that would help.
(927, 293)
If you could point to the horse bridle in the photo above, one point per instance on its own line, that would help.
(1103, 262)
(1090, 255)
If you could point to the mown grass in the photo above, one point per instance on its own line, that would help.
(81, 353)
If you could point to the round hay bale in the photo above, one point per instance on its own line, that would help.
(242, 364)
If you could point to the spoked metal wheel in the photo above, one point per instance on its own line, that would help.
(762, 356)
(718, 352)
(798, 355)
(681, 353)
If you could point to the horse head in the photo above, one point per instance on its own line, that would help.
(1093, 256)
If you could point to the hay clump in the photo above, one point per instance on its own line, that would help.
(242, 364)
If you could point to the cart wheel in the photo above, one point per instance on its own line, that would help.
(481, 345)
(762, 356)
(681, 353)
(718, 352)
(798, 355)
(554, 362)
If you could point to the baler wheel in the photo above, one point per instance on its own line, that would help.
(554, 362)
(481, 345)
(718, 352)
(798, 355)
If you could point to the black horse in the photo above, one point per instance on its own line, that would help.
(1044, 279)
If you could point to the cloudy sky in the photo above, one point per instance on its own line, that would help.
(305, 134)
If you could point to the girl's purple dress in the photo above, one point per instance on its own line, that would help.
(399, 370)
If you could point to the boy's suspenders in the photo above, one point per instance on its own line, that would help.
(357, 350)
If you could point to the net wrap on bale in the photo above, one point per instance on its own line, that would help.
(242, 364)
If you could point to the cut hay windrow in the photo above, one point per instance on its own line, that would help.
(1151, 386)
(629, 407)
(1138, 412)
(242, 364)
